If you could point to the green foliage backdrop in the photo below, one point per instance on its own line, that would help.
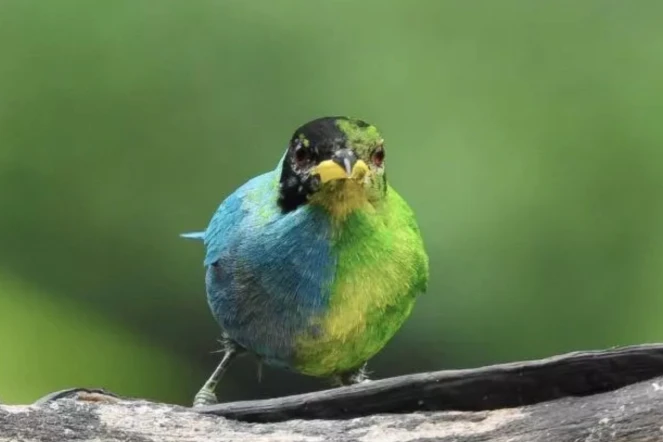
(526, 135)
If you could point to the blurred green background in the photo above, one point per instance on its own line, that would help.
(526, 135)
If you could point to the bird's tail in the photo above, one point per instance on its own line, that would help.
(193, 235)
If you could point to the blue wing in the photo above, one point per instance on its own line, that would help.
(268, 272)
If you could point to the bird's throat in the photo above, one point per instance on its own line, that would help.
(340, 198)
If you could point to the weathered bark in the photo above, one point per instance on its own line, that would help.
(614, 395)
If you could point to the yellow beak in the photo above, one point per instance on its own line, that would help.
(331, 170)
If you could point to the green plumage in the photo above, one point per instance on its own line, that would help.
(382, 266)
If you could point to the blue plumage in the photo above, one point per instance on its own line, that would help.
(268, 272)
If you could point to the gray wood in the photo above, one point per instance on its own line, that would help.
(486, 388)
(613, 395)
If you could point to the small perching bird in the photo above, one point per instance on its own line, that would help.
(313, 267)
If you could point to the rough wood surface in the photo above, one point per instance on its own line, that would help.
(614, 395)
(486, 388)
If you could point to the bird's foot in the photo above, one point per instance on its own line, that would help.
(204, 398)
(359, 376)
(205, 395)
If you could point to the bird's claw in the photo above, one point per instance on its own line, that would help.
(204, 398)
(359, 376)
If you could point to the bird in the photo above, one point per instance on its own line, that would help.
(314, 266)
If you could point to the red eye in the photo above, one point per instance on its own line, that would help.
(378, 156)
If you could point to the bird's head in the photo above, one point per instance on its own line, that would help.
(335, 162)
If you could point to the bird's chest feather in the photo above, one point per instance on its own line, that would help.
(313, 294)
(270, 280)
(379, 265)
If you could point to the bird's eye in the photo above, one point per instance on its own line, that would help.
(378, 156)
(302, 154)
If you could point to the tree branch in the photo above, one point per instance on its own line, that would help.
(578, 396)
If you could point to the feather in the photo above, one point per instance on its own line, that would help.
(193, 235)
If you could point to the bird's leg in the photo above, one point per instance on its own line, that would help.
(358, 376)
(206, 395)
